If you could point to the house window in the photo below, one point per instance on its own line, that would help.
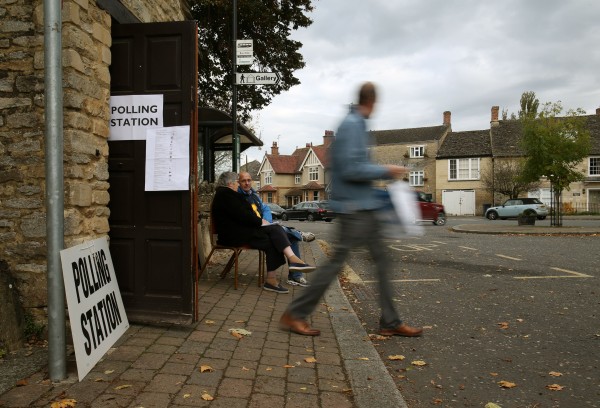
(415, 178)
(594, 166)
(313, 173)
(417, 151)
(269, 197)
(297, 179)
(268, 177)
(463, 169)
(315, 195)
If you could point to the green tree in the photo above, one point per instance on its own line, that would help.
(554, 145)
(529, 104)
(505, 177)
(269, 23)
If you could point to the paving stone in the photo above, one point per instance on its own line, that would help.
(269, 385)
(152, 361)
(152, 400)
(264, 400)
(235, 387)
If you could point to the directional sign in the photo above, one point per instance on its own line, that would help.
(257, 78)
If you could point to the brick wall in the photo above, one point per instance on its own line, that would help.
(86, 42)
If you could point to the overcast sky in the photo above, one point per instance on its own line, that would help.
(430, 56)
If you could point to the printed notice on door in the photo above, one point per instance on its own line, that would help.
(132, 115)
(167, 158)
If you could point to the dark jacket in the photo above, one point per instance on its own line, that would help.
(235, 221)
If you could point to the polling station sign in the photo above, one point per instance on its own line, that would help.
(132, 115)
(96, 309)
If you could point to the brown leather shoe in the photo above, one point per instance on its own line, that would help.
(402, 330)
(299, 326)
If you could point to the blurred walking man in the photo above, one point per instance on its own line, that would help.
(356, 202)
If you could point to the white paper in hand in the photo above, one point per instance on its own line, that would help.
(406, 210)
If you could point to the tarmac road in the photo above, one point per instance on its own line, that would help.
(510, 319)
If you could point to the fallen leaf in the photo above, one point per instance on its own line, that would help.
(378, 337)
(240, 321)
(122, 387)
(66, 403)
(241, 332)
(209, 321)
(303, 388)
(396, 357)
(494, 374)
(268, 369)
(419, 363)
(437, 401)
(503, 325)
(207, 397)
(109, 371)
(236, 335)
(206, 368)
(363, 358)
(492, 405)
(288, 366)
(187, 395)
(555, 387)
(310, 360)
(245, 369)
(22, 383)
(555, 374)
(507, 384)
(98, 379)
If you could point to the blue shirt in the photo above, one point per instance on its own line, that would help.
(351, 167)
(254, 200)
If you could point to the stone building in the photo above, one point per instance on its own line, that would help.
(86, 60)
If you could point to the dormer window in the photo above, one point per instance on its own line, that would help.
(417, 151)
(313, 173)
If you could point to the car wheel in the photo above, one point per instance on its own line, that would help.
(492, 215)
(541, 217)
(310, 217)
(441, 219)
(284, 217)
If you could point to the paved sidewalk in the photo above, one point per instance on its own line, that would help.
(183, 366)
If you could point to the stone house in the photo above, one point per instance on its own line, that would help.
(414, 148)
(87, 55)
(302, 176)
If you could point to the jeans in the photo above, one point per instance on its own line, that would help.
(294, 236)
(356, 229)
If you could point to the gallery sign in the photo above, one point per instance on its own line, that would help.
(132, 115)
(96, 309)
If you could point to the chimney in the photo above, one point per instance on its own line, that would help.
(308, 144)
(275, 149)
(494, 121)
(328, 138)
(447, 118)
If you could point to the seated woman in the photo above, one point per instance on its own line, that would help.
(237, 224)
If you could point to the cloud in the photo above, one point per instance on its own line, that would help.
(428, 57)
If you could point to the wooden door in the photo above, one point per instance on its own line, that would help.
(153, 235)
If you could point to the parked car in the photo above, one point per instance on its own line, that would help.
(513, 207)
(276, 210)
(309, 210)
(430, 211)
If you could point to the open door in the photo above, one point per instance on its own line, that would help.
(153, 235)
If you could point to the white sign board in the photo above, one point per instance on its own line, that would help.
(256, 78)
(131, 115)
(96, 310)
(244, 52)
(168, 159)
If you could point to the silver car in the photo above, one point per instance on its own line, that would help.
(515, 206)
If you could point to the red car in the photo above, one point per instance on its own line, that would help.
(430, 211)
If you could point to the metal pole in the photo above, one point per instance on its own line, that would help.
(54, 188)
(235, 154)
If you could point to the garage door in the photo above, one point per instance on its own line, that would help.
(459, 202)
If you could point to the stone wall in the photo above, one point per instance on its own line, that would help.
(86, 42)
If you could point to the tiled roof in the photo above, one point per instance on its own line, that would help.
(321, 152)
(283, 164)
(506, 138)
(268, 187)
(251, 167)
(394, 136)
(313, 185)
(474, 143)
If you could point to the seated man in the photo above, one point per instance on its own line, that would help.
(245, 188)
(237, 224)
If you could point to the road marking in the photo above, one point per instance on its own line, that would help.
(413, 248)
(573, 274)
(509, 257)
(406, 280)
(472, 249)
